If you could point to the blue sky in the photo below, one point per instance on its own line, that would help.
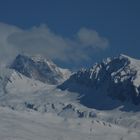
(116, 21)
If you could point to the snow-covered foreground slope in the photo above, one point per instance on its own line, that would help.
(35, 126)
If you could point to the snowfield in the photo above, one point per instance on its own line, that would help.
(35, 126)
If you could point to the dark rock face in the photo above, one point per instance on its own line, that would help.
(117, 78)
(38, 68)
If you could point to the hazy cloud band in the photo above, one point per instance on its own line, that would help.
(41, 40)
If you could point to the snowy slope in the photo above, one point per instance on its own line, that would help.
(22, 93)
(40, 68)
(14, 82)
(35, 126)
(118, 78)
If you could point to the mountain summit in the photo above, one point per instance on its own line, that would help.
(118, 78)
(39, 68)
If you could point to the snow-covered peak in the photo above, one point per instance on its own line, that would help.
(40, 68)
(123, 56)
(35, 58)
(117, 77)
(39, 58)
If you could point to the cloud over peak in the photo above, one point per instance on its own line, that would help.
(41, 40)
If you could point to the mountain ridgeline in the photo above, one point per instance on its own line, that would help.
(39, 68)
(106, 85)
(116, 78)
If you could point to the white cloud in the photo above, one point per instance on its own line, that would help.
(41, 40)
(91, 38)
(7, 50)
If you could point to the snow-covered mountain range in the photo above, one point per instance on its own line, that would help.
(101, 102)
(22, 88)
(118, 78)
